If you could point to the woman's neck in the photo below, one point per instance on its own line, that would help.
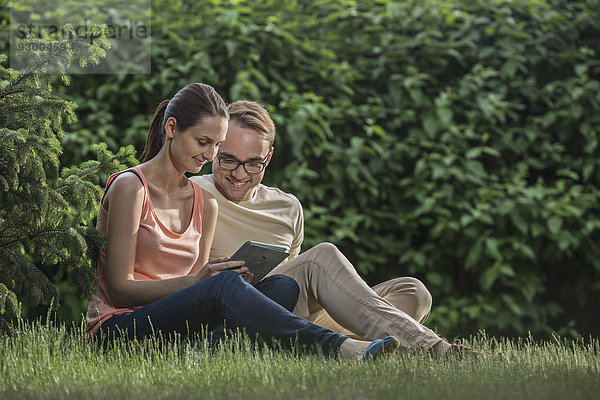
(161, 171)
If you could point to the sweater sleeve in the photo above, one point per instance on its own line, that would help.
(298, 233)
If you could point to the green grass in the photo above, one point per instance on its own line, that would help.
(49, 362)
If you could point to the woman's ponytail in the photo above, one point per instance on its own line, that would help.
(156, 133)
(189, 106)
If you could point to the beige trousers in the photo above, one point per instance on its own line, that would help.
(333, 295)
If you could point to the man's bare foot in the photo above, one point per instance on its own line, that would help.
(460, 350)
(438, 350)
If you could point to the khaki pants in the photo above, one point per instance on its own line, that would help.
(333, 295)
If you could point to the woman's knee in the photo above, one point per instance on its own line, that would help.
(228, 276)
(218, 285)
(286, 282)
(282, 289)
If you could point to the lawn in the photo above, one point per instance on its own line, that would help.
(52, 362)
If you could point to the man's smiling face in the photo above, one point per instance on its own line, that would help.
(241, 144)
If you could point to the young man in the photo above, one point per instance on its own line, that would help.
(332, 294)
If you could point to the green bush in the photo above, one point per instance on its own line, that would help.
(456, 141)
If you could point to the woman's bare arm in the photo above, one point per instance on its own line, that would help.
(209, 221)
(124, 204)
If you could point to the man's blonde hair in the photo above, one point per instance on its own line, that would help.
(251, 115)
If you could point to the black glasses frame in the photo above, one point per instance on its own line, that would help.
(243, 164)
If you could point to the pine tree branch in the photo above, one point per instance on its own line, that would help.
(25, 109)
(83, 177)
(51, 250)
(31, 236)
(7, 94)
(7, 225)
(28, 74)
(5, 229)
(31, 71)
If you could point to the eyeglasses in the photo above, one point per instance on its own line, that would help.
(251, 167)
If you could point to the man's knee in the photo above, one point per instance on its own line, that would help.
(327, 256)
(407, 294)
(325, 248)
(424, 298)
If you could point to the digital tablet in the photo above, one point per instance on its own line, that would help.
(260, 258)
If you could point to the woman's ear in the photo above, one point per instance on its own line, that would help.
(170, 127)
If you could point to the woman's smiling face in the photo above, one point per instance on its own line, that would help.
(198, 144)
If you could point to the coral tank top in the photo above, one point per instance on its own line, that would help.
(160, 253)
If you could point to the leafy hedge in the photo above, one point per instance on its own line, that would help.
(455, 141)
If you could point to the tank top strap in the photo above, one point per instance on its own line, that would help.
(198, 205)
(133, 170)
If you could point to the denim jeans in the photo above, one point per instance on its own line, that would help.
(282, 289)
(225, 297)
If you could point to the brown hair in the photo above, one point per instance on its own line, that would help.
(252, 115)
(189, 106)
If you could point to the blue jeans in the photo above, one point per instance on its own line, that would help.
(225, 297)
(282, 289)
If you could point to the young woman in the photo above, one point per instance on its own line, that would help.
(155, 275)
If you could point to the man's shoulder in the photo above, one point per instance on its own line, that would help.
(203, 179)
(275, 195)
(206, 182)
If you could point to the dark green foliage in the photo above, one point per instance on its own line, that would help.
(44, 210)
(456, 141)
